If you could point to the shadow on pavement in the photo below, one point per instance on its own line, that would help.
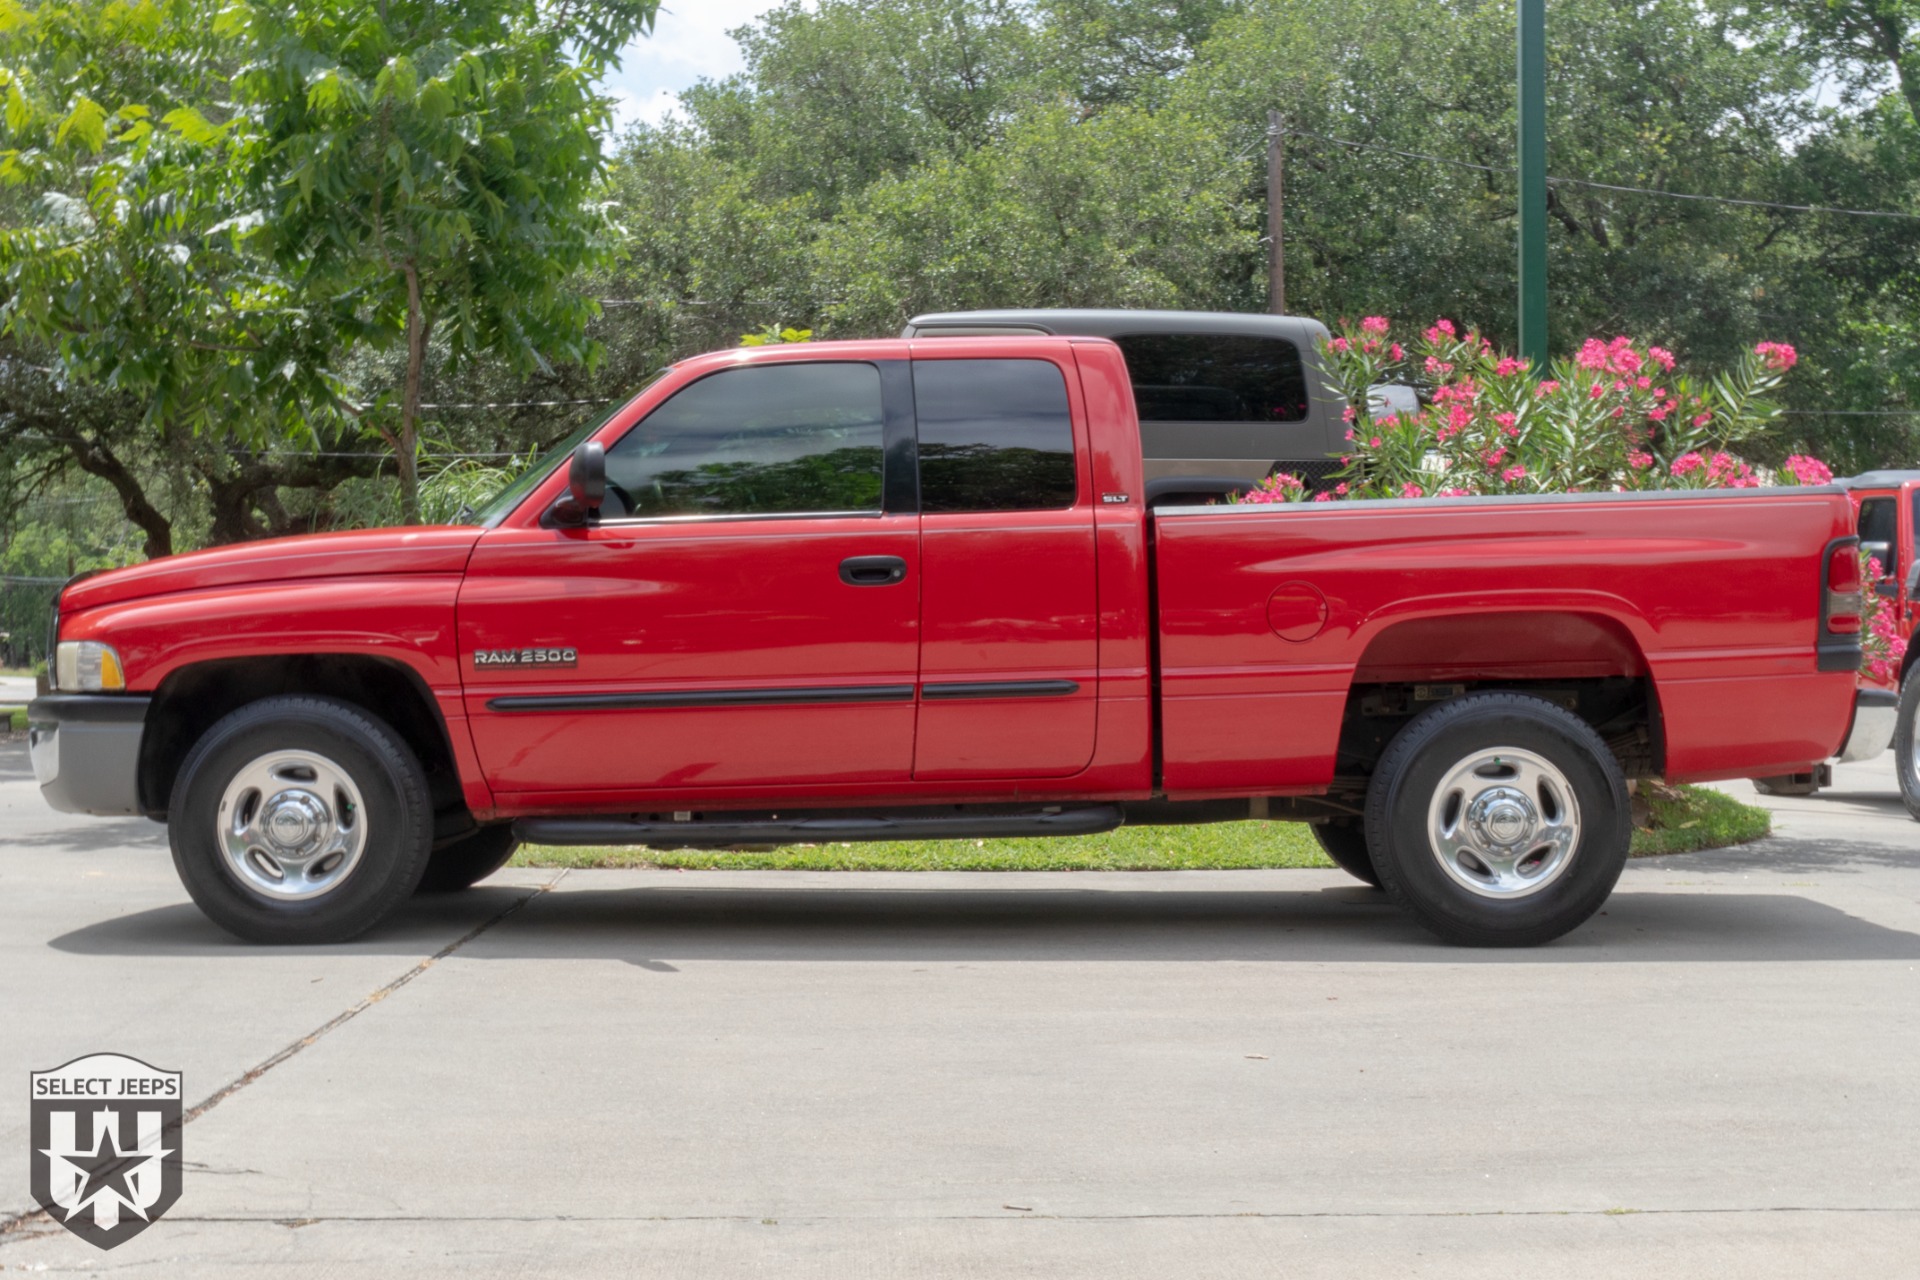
(651, 925)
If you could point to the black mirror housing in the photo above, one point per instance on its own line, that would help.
(586, 486)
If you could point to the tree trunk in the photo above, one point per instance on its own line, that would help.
(96, 459)
(407, 444)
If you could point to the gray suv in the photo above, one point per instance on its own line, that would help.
(1225, 399)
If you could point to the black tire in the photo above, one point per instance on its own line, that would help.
(394, 814)
(468, 860)
(1410, 778)
(1904, 762)
(1345, 841)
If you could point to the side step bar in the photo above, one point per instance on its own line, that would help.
(724, 829)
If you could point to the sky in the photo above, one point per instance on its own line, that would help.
(689, 41)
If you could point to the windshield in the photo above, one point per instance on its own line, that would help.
(501, 505)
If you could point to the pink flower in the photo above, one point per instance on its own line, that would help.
(1341, 488)
(1619, 410)
(1348, 415)
(1593, 355)
(1643, 383)
(1442, 329)
(1508, 367)
(1337, 344)
(1619, 385)
(1621, 357)
(1412, 490)
(1639, 461)
(1399, 352)
(1494, 457)
(1659, 414)
(1703, 420)
(1323, 496)
(1597, 390)
(1437, 367)
(1514, 473)
(1460, 418)
(1687, 464)
(1374, 324)
(1546, 388)
(1662, 357)
(1808, 470)
(1659, 393)
(1454, 493)
(1780, 356)
(1506, 421)
(1374, 443)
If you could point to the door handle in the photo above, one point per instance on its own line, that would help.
(873, 571)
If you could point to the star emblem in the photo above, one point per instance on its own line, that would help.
(104, 1169)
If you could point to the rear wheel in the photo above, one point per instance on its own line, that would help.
(1345, 841)
(1498, 819)
(469, 860)
(300, 820)
(1906, 764)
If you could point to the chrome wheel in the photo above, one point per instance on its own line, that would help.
(291, 825)
(1504, 823)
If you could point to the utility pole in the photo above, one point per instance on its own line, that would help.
(1276, 206)
(1532, 67)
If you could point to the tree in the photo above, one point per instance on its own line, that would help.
(435, 166)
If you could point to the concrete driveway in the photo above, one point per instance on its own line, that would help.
(16, 691)
(1209, 1074)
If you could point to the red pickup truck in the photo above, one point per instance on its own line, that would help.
(907, 589)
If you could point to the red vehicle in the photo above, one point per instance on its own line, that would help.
(910, 589)
(1887, 513)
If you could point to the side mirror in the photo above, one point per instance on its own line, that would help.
(586, 486)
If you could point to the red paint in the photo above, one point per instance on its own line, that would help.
(1264, 621)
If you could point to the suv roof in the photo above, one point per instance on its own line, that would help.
(1111, 323)
(1878, 479)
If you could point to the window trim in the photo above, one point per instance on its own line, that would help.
(1078, 445)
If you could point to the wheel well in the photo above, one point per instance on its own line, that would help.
(193, 699)
(1623, 710)
(1538, 645)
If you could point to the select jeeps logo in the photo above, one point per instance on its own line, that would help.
(526, 658)
(106, 1146)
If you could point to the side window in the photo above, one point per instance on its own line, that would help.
(1879, 533)
(995, 435)
(1915, 551)
(761, 440)
(1204, 377)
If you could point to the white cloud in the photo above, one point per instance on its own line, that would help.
(689, 42)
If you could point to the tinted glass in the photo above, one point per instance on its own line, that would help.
(1879, 523)
(1916, 524)
(755, 441)
(1202, 377)
(995, 435)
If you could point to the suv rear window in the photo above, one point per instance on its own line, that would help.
(1204, 377)
(995, 435)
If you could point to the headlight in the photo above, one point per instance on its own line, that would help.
(87, 666)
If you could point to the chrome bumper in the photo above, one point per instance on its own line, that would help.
(1874, 711)
(86, 751)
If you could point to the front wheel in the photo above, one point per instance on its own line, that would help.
(469, 860)
(1345, 841)
(1498, 820)
(1906, 766)
(300, 820)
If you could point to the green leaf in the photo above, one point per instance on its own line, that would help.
(191, 125)
(87, 123)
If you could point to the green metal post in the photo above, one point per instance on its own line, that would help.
(1533, 182)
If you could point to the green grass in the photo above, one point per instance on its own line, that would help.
(1689, 819)
(1686, 819)
(17, 720)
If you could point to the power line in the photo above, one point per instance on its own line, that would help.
(1851, 413)
(1610, 186)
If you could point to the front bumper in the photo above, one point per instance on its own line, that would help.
(1874, 711)
(86, 751)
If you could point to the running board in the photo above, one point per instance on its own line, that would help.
(724, 829)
